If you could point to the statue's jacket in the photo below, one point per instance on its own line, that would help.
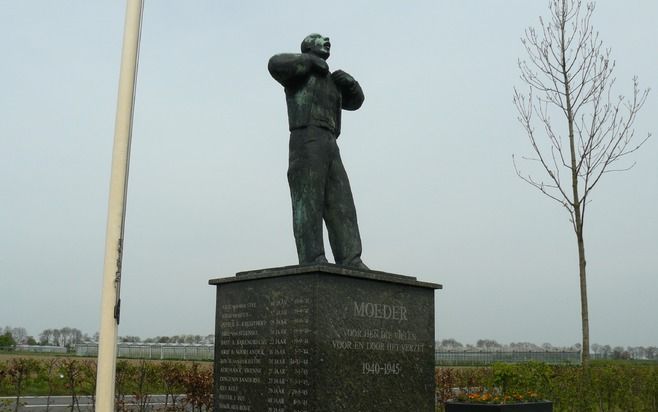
(313, 98)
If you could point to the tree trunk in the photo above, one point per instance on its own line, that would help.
(584, 312)
(577, 205)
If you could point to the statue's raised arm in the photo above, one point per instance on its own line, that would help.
(319, 187)
(288, 68)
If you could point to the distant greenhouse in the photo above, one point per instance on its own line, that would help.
(153, 351)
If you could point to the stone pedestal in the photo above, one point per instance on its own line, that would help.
(318, 338)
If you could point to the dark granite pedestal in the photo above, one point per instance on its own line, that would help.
(318, 338)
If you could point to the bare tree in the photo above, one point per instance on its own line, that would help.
(209, 339)
(45, 337)
(569, 74)
(130, 339)
(451, 344)
(651, 353)
(57, 337)
(19, 334)
(488, 344)
(596, 348)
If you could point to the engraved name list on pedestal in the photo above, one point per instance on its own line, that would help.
(318, 338)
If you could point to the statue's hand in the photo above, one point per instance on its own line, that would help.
(343, 79)
(318, 64)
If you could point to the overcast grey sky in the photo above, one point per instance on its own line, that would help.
(429, 157)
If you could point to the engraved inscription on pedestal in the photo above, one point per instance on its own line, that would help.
(302, 339)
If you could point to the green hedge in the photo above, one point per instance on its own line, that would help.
(601, 387)
(135, 382)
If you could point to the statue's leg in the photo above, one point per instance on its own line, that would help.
(340, 215)
(306, 178)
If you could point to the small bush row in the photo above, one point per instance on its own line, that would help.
(601, 387)
(136, 381)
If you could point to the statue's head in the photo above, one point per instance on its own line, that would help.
(316, 44)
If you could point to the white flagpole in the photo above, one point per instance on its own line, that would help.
(110, 298)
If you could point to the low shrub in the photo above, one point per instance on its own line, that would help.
(601, 387)
(610, 386)
(135, 382)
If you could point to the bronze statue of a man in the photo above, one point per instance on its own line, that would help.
(319, 187)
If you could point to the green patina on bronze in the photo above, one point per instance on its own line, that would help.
(319, 186)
